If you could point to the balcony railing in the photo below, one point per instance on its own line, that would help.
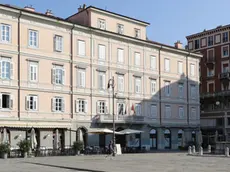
(215, 94)
(225, 75)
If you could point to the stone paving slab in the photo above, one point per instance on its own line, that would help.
(157, 162)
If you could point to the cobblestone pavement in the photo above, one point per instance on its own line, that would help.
(157, 162)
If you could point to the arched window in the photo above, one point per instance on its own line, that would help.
(167, 139)
(153, 139)
(180, 138)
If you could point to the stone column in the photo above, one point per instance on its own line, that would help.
(201, 151)
(189, 150)
(160, 138)
(193, 149)
(209, 149)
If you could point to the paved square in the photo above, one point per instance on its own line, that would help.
(157, 162)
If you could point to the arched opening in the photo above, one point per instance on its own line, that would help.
(121, 139)
(167, 139)
(180, 138)
(194, 137)
(58, 139)
(153, 139)
(82, 135)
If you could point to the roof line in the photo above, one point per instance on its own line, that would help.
(111, 13)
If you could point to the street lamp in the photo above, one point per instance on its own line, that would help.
(112, 84)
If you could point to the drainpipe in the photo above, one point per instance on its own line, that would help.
(187, 88)
(71, 72)
(19, 66)
(160, 84)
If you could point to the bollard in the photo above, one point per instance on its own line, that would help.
(193, 149)
(189, 150)
(209, 149)
(201, 151)
(227, 152)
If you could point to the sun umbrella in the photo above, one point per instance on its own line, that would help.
(4, 139)
(216, 136)
(102, 131)
(56, 139)
(33, 139)
(130, 131)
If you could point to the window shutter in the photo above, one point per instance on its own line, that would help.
(86, 106)
(62, 105)
(106, 107)
(61, 43)
(83, 79)
(98, 107)
(35, 103)
(55, 43)
(53, 104)
(0, 101)
(118, 109)
(53, 75)
(27, 102)
(63, 76)
(11, 71)
(103, 81)
(0, 69)
(11, 101)
(124, 109)
(77, 106)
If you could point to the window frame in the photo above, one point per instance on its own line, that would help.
(210, 42)
(81, 83)
(118, 55)
(33, 42)
(5, 72)
(58, 44)
(120, 28)
(222, 51)
(34, 102)
(1, 31)
(165, 65)
(153, 64)
(169, 109)
(100, 51)
(137, 84)
(167, 88)
(181, 112)
(192, 69)
(153, 106)
(79, 51)
(120, 87)
(103, 75)
(100, 22)
(31, 75)
(137, 62)
(153, 82)
(178, 64)
(224, 38)
(137, 33)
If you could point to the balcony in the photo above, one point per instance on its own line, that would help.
(210, 62)
(225, 76)
(215, 94)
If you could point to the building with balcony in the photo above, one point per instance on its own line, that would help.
(54, 74)
(214, 85)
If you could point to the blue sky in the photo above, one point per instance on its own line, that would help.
(170, 20)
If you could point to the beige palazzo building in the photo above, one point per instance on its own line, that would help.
(54, 74)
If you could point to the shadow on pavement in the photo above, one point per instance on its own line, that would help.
(63, 167)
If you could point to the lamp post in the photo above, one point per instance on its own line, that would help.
(112, 84)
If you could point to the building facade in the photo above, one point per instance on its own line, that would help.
(214, 86)
(54, 75)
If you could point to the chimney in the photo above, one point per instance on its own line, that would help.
(29, 8)
(84, 6)
(81, 8)
(49, 13)
(178, 45)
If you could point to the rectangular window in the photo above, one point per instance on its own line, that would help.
(181, 112)
(193, 91)
(225, 50)
(180, 67)
(138, 85)
(210, 72)
(138, 109)
(120, 55)
(197, 44)
(5, 33)
(33, 38)
(137, 59)
(33, 75)
(81, 106)
(211, 87)
(192, 70)
(153, 111)
(32, 102)
(102, 107)
(167, 88)
(101, 24)
(6, 69)
(120, 28)
(181, 90)
(153, 86)
(81, 47)
(120, 83)
(137, 33)
(225, 37)
(58, 43)
(6, 101)
(81, 78)
(225, 68)
(101, 80)
(193, 113)
(153, 62)
(58, 74)
(210, 40)
(167, 111)
(101, 52)
(167, 65)
(58, 104)
(121, 108)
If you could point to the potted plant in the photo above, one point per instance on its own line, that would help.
(4, 150)
(24, 146)
(77, 147)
